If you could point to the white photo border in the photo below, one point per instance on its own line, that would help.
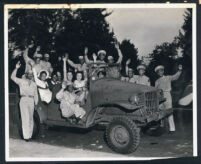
(118, 5)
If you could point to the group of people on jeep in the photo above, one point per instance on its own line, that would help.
(71, 91)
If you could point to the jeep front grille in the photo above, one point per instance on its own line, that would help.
(151, 102)
(141, 98)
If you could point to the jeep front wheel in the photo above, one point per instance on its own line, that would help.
(122, 135)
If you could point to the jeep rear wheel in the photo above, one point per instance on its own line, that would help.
(122, 135)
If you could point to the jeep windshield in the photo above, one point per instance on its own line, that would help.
(104, 70)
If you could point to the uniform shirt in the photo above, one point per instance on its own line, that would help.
(93, 61)
(27, 88)
(38, 67)
(113, 72)
(144, 80)
(31, 63)
(78, 67)
(66, 96)
(164, 82)
(46, 66)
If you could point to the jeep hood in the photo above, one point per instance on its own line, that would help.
(114, 91)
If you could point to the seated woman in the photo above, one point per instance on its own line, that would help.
(43, 87)
(101, 74)
(80, 87)
(68, 105)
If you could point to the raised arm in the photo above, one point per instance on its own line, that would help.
(36, 96)
(156, 83)
(64, 68)
(27, 59)
(87, 61)
(50, 68)
(60, 94)
(127, 63)
(37, 80)
(177, 75)
(72, 64)
(37, 50)
(119, 54)
(148, 82)
(14, 73)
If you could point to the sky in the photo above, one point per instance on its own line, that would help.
(146, 28)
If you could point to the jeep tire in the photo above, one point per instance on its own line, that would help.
(122, 135)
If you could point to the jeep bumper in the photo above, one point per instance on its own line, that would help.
(159, 115)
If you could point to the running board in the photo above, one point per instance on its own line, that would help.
(64, 123)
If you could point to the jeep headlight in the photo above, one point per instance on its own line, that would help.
(134, 99)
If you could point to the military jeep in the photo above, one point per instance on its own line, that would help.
(122, 107)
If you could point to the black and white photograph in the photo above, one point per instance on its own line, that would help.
(100, 82)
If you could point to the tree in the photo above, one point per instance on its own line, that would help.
(87, 28)
(184, 40)
(40, 26)
(129, 51)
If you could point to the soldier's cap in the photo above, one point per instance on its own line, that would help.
(110, 57)
(81, 57)
(46, 73)
(130, 69)
(159, 68)
(38, 56)
(46, 55)
(141, 67)
(103, 52)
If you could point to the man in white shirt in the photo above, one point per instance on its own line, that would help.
(28, 100)
(164, 83)
(142, 78)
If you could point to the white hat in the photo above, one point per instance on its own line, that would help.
(46, 73)
(81, 57)
(37, 56)
(102, 52)
(158, 68)
(141, 67)
(46, 55)
(110, 57)
(130, 69)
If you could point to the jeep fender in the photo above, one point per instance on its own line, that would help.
(127, 105)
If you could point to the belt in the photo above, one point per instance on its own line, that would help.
(167, 91)
(27, 96)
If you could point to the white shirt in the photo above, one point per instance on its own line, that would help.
(43, 88)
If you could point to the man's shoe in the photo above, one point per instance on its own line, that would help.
(171, 132)
(42, 136)
(27, 140)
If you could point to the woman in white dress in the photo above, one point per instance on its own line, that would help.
(43, 87)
